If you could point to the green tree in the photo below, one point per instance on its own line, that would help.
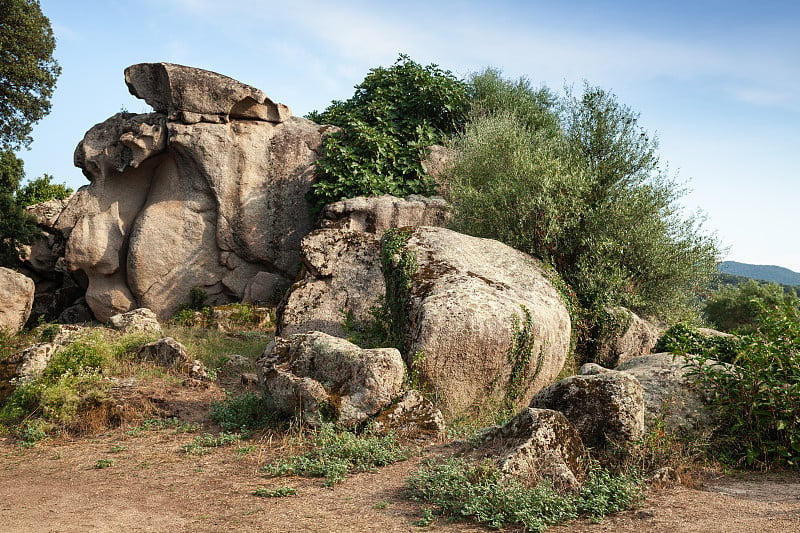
(576, 182)
(28, 71)
(17, 228)
(740, 308)
(40, 190)
(394, 115)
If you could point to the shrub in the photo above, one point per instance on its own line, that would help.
(757, 397)
(577, 183)
(245, 412)
(41, 190)
(387, 125)
(683, 339)
(462, 489)
(335, 453)
(738, 308)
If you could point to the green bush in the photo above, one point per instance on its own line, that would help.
(738, 308)
(683, 339)
(757, 397)
(245, 412)
(334, 453)
(394, 115)
(461, 489)
(577, 183)
(41, 190)
(82, 356)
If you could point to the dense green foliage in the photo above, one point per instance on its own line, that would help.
(17, 228)
(71, 380)
(682, 339)
(245, 412)
(738, 308)
(40, 190)
(577, 182)
(757, 397)
(28, 71)
(466, 490)
(335, 453)
(394, 115)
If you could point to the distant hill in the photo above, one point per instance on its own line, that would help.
(776, 274)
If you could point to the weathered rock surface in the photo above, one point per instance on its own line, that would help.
(343, 261)
(16, 299)
(199, 94)
(536, 445)
(670, 395)
(140, 320)
(319, 377)
(605, 408)
(207, 192)
(411, 417)
(342, 277)
(376, 214)
(483, 324)
(624, 337)
(166, 352)
(171, 354)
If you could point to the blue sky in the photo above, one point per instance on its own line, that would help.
(717, 81)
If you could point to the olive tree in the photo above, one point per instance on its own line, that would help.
(576, 182)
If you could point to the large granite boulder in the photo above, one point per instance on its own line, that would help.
(319, 378)
(536, 445)
(16, 300)
(208, 192)
(671, 398)
(480, 323)
(342, 283)
(606, 408)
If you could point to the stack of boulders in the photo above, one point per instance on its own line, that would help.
(208, 193)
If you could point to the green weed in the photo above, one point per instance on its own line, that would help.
(280, 492)
(202, 445)
(103, 463)
(478, 491)
(334, 453)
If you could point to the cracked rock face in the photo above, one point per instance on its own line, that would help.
(206, 192)
(318, 378)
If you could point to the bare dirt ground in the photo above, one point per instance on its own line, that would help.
(150, 484)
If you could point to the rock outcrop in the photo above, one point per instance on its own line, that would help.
(606, 408)
(536, 445)
(16, 300)
(482, 325)
(342, 279)
(670, 395)
(206, 192)
(318, 378)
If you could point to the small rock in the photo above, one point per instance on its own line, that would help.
(140, 320)
(412, 417)
(604, 408)
(167, 352)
